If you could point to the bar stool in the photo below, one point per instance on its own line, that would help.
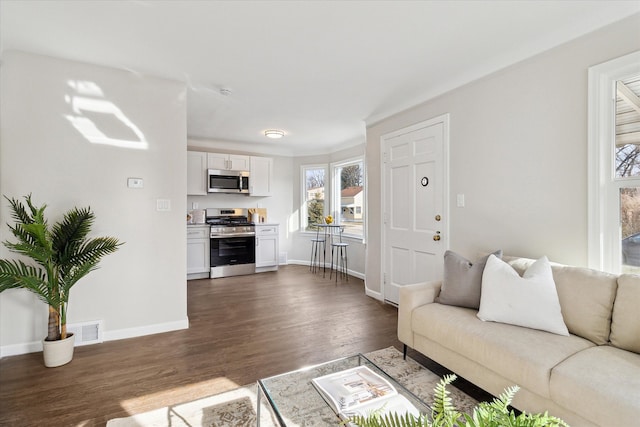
(339, 254)
(316, 243)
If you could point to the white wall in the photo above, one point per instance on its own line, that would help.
(141, 288)
(518, 153)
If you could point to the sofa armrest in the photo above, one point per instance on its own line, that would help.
(411, 297)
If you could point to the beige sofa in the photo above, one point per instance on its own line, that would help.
(590, 378)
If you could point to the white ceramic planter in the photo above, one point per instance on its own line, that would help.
(58, 353)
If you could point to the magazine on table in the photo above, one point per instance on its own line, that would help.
(360, 391)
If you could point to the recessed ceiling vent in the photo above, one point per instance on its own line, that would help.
(86, 333)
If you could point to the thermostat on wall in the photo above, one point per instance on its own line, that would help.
(135, 183)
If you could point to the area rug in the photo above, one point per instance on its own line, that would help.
(238, 408)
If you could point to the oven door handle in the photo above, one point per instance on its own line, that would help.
(226, 236)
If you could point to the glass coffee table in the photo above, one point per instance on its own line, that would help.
(292, 400)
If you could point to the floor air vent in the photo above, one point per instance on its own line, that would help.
(87, 332)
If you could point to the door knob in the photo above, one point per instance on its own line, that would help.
(436, 237)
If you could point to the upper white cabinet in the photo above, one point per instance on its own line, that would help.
(261, 179)
(230, 162)
(261, 169)
(196, 173)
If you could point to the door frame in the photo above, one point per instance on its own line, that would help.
(444, 120)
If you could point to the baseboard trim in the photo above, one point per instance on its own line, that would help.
(307, 263)
(36, 346)
(157, 328)
(373, 294)
(17, 349)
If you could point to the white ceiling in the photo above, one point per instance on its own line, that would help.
(319, 70)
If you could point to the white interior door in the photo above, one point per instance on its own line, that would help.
(415, 205)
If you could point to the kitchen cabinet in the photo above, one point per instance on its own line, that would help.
(267, 249)
(198, 252)
(261, 171)
(196, 173)
(230, 162)
(261, 179)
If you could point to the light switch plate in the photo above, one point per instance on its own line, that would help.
(163, 205)
(460, 200)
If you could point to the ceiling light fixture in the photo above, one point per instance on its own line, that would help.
(273, 133)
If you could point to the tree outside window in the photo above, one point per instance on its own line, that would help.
(314, 184)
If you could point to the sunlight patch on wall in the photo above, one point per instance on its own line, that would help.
(293, 223)
(99, 120)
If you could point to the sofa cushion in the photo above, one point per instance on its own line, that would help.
(462, 280)
(586, 297)
(522, 355)
(530, 301)
(598, 382)
(625, 323)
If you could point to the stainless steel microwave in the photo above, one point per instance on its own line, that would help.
(222, 181)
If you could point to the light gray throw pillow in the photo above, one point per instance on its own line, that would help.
(462, 281)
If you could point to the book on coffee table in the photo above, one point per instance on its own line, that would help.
(360, 391)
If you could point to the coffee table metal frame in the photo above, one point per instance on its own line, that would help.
(267, 387)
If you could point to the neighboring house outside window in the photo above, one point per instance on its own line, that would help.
(348, 196)
(351, 200)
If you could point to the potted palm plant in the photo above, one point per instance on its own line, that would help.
(61, 255)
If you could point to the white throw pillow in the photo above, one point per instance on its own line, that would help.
(530, 301)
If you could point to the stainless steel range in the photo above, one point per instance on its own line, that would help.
(233, 242)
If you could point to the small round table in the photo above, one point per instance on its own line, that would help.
(339, 248)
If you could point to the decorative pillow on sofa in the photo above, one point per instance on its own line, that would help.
(625, 324)
(530, 301)
(462, 280)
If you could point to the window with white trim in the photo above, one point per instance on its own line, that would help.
(341, 194)
(614, 165)
(348, 196)
(314, 208)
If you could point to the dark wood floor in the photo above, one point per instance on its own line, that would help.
(241, 329)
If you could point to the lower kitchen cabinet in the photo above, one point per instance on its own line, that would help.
(198, 252)
(267, 251)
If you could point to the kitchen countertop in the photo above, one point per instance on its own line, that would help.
(207, 225)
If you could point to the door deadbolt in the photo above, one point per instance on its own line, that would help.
(438, 217)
